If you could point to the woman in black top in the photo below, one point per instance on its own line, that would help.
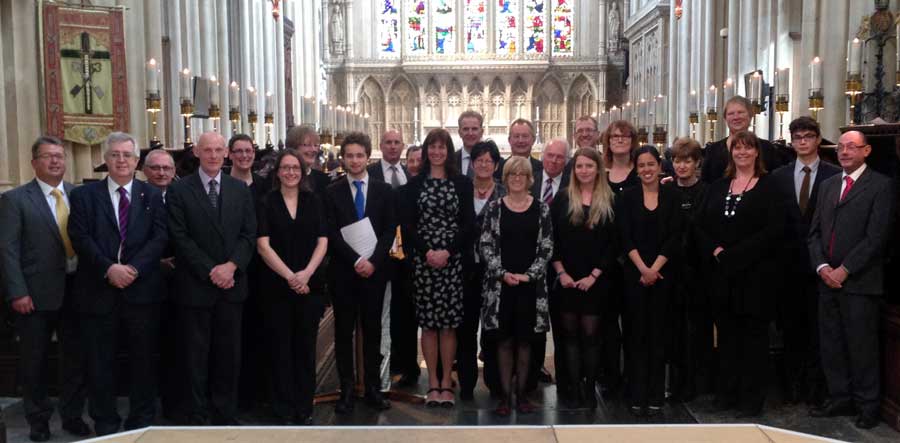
(649, 220)
(738, 224)
(584, 249)
(293, 238)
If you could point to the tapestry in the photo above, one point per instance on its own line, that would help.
(84, 74)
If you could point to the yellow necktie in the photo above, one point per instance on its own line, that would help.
(62, 219)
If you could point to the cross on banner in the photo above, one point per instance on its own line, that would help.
(88, 68)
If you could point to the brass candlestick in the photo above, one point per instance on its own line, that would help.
(853, 90)
(693, 119)
(187, 111)
(215, 115)
(269, 121)
(711, 118)
(153, 107)
(643, 135)
(659, 136)
(781, 106)
(816, 102)
(235, 116)
(756, 108)
(252, 118)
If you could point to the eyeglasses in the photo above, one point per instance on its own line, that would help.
(801, 138)
(585, 131)
(120, 155)
(289, 168)
(484, 161)
(850, 147)
(518, 174)
(619, 137)
(52, 157)
(160, 168)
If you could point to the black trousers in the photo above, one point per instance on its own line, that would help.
(138, 327)
(848, 327)
(255, 384)
(35, 332)
(611, 348)
(799, 320)
(467, 333)
(646, 312)
(172, 382)
(211, 353)
(292, 323)
(358, 300)
(743, 358)
(404, 329)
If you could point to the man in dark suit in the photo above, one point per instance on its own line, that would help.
(799, 183)
(471, 129)
(305, 140)
(847, 240)
(212, 223)
(37, 264)
(404, 330)
(553, 174)
(359, 280)
(715, 156)
(118, 230)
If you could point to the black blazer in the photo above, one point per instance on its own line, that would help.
(205, 237)
(340, 210)
(860, 223)
(715, 159)
(670, 222)
(32, 255)
(796, 231)
(318, 181)
(94, 232)
(465, 219)
(539, 178)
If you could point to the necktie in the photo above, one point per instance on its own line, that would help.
(849, 184)
(395, 180)
(360, 200)
(124, 206)
(470, 170)
(548, 191)
(213, 194)
(62, 220)
(804, 190)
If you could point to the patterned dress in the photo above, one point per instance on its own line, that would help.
(438, 292)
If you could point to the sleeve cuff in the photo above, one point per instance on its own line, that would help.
(357, 261)
(819, 268)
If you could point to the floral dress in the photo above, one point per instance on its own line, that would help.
(438, 292)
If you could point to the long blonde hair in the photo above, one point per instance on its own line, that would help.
(601, 209)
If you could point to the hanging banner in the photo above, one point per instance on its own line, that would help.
(85, 81)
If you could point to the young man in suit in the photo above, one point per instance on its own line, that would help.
(847, 237)
(118, 230)
(359, 281)
(404, 330)
(38, 264)
(212, 223)
(471, 129)
(799, 183)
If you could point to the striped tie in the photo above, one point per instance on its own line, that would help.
(213, 194)
(548, 192)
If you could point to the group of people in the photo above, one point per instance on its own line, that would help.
(670, 256)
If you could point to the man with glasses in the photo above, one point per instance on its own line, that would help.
(118, 230)
(38, 265)
(586, 135)
(799, 183)
(159, 168)
(847, 238)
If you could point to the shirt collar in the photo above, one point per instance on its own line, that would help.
(855, 175)
(114, 187)
(205, 178)
(556, 179)
(46, 189)
(465, 154)
(364, 179)
(385, 166)
(814, 166)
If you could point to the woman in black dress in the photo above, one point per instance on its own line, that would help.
(584, 249)
(516, 243)
(649, 220)
(738, 225)
(439, 216)
(293, 238)
(619, 141)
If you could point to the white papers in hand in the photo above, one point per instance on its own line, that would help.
(360, 237)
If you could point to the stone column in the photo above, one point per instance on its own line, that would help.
(135, 73)
(601, 30)
(834, 67)
(684, 69)
(733, 51)
(153, 27)
(711, 34)
(208, 67)
(809, 49)
(673, 60)
(224, 55)
(245, 79)
(748, 36)
(7, 156)
(784, 58)
(280, 129)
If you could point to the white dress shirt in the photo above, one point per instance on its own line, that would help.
(798, 175)
(465, 159)
(555, 183)
(205, 180)
(386, 169)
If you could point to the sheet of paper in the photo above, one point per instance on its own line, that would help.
(360, 236)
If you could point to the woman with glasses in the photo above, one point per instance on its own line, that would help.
(242, 156)
(619, 141)
(738, 224)
(516, 243)
(292, 240)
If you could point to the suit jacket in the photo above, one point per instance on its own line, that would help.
(32, 258)
(95, 237)
(797, 225)
(860, 224)
(715, 159)
(340, 210)
(205, 237)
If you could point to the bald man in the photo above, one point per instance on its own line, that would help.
(212, 224)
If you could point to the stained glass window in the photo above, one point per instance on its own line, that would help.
(476, 26)
(389, 28)
(534, 26)
(562, 26)
(507, 26)
(444, 18)
(416, 27)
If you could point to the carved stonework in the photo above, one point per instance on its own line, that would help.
(337, 29)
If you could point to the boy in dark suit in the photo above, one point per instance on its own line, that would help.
(359, 281)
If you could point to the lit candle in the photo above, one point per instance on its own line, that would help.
(626, 111)
(213, 91)
(854, 51)
(186, 93)
(615, 113)
(415, 114)
(537, 113)
(643, 113)
(660, 110)
(755, 87)
(815, 74)
(270, 103)
(152, 77)
(782, 82)
(234, 95)
(695, 101)
(728, 89)
(251, 99)
(712, 99)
